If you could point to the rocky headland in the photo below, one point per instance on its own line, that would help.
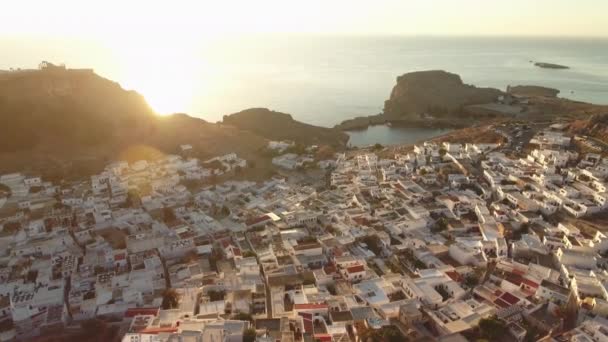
(432, 98)
(550, 65)
(440, 99)
(530, 90)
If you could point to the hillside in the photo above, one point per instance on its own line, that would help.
(596, 126)
(67, 107)
(280, 126)
(64, 121)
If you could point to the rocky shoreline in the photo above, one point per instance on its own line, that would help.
(363, 122)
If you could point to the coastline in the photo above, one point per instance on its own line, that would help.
(362, 123)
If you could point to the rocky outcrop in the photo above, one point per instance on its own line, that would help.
(361, 122)
(281, 126)
(550, 65)
(527, 90)
(435, 92)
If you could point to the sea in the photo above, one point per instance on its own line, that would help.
(325, 79)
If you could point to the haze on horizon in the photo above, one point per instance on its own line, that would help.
(113, 19)
(124, 40)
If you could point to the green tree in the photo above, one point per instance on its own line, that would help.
(95, 330)
(471, 280)
(241, 316)
(249, 254)
(492, 328)
(170, 299)
(373, 243)
(168, 215)
(5, 189)
(440, 225)
(331, 288)
(35, 189)
(249, 335)
(132, 199)
(12, 227)
(384, 334)
(216, 295)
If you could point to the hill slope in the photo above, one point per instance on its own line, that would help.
(596, 126)
(280, 126)
(56, 118)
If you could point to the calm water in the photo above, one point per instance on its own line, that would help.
(325, 79)
(392, 135)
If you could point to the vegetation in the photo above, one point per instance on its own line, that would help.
(471, 280)
(11, 227)
(412, 260)
(216, 295)
(170, 299)
(444, 294)
(133, 199)
(213, 259)
(249, 254)
(440, 225)
(241, 316)
(492, 328)
(249, 335)
(5, 189)
(168, 215)
(385, 334)
(331, 288)
(532, 333)
(94, 330)
(393, 267)
(373, 243)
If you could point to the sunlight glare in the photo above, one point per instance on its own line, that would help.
(167, 73)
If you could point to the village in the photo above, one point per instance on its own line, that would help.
(439, 242)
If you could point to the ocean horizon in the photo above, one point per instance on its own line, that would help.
(323, 80)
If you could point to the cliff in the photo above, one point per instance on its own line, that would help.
(435, 92)
(280, 126)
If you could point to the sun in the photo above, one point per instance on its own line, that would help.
(167, 89)
(167, 94)
(168, 75)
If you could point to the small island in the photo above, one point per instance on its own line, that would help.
(550, 65)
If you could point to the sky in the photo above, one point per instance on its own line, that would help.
(120, 19)
(125, 39)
